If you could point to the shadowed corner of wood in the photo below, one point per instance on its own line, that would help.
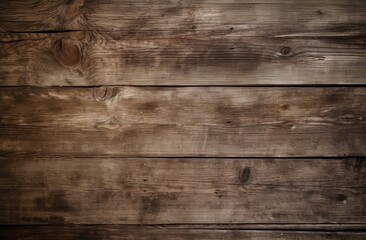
(73, 9)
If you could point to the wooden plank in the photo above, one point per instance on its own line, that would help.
(125, 232)
(115, 58)
(245, 18)
(184, 121)
(103, 190)
(275, 227)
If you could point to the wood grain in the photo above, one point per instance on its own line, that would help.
(150, 233)
(197, 119)
(245, 18)
(62, 43)
(104, 190)
(114, 58)
(184, 121)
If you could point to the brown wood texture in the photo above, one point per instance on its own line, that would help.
(182, 42)
(153, 233)
(172, 119)
(184, 121)
(247, 18)
(104, 190)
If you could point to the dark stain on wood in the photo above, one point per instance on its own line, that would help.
(149, 107)
(335, 97)
(54, 201)
(185, 55)
(104, 196)
(355, 163)
(227, 113)
(285, 107)
(153, 204)
(56, 219)
(150, 207)
(219, 193)
(76, 179)
(319, 12)
(244, 175)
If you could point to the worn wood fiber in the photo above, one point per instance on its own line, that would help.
(197, 119)
(152, 233)
(184, 121)
(245, 18)
(182, 42)
(86, 59)
(103, 190)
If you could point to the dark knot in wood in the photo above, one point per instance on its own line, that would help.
(67, 52)
(73, 9)
(354, 163)
(244, 175)
(104, 93)
(341, 198)
(286, 51)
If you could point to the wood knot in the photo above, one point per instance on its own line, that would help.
(285, 106)
(73, 9)
(354, 163)
(341, 198)
(244, 175)
(104, 93)
(285, 51)
(67, 53)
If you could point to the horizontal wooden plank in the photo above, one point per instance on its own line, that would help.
(102, 190)
(245, 18)
(144, 233)
(182, 43)
(184, 121)
(265, 226)
(113, 58)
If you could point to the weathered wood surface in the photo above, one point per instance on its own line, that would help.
(66, 154)
(88, 59)
(184, 121)
(241, 17)
(182, 42)
(103, 190)
(153, 233)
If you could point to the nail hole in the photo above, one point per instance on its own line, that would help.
(341, 197)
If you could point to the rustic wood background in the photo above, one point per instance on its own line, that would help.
(172, 119)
